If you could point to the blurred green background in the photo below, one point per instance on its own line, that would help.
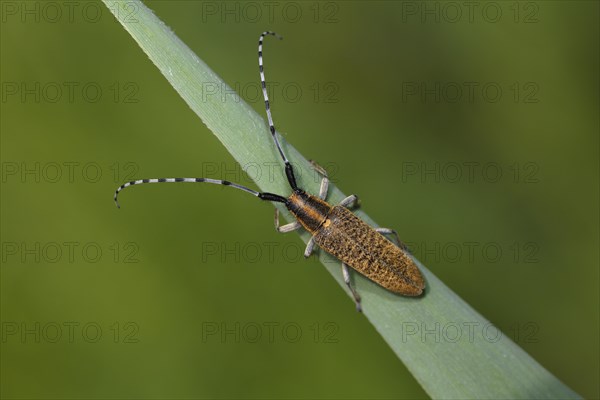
(189, 292)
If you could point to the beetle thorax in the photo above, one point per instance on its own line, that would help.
(310, 211)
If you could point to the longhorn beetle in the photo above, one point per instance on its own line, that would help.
(333, 228)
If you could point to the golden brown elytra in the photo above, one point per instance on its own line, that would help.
(333, 228)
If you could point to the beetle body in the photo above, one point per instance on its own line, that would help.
(333, 227)
(342, 234)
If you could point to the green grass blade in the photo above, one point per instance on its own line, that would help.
(480, 363)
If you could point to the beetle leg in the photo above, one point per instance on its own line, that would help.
(310, 246)
(324, 188)
(400, 243)
(351, 201)
(285, 228)
(356, 296)
(324, 182)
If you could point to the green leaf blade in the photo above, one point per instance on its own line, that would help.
(480, 362)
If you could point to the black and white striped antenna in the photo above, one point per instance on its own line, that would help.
(289, 172)
(263, 196)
